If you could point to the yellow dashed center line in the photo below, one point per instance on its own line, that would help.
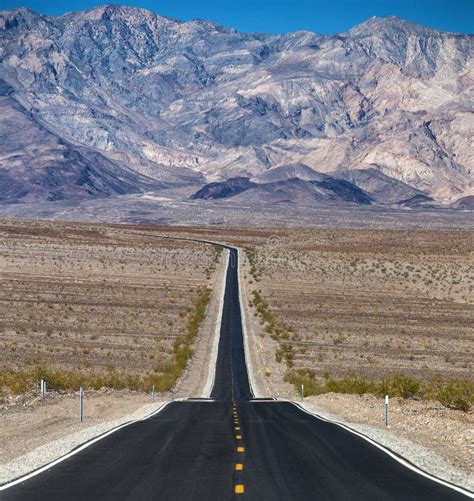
(238, 488)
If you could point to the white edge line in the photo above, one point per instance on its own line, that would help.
(243, 318)
(397, 458)
(217, 334)
(78, 449)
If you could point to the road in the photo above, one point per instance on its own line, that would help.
(233, 447)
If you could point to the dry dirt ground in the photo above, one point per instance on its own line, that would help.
(95, 299)
(371, 302)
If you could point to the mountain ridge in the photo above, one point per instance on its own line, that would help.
(188, 103)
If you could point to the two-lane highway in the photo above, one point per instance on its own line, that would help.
(231, 447)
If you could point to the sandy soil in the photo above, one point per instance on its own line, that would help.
(373, 303)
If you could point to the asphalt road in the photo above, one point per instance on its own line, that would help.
(215, 450)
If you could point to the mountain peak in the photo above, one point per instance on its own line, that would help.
(137, 15)
(115, 11)
(18, 17)
(381, 25)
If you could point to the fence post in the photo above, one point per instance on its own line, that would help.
(386, 411)
(153, 394)
(81, 404)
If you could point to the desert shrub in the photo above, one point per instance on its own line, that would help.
(182, 346)
(21, 381)
(285, 352)
(297, 377)
(457, 394)
(400, 385)
(351, 384)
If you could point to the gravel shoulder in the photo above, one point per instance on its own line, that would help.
(35, 432)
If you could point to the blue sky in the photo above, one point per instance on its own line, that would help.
(279, 16)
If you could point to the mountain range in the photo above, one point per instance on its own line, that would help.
(119, 100)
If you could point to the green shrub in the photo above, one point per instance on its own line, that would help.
(400, 385)
(297, 377)
(182, 346)
(457, 394)
(351, 385)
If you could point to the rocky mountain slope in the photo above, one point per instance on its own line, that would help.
(120, 100)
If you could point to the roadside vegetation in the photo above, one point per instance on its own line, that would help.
(98, 306)
(455, 394)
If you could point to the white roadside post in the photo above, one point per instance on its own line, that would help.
(42, 389)
(302, 392)
(386, 411)
(153, 394)
(81, 404)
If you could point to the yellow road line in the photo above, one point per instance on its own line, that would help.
(240, 449)
(238, 437)
(239, 489)
(239, 466)
(237, 428)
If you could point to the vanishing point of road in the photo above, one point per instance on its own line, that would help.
(231, 446)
